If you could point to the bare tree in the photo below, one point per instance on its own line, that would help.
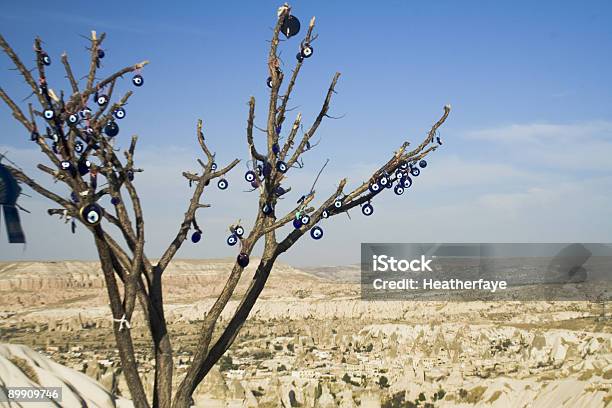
(78, 143)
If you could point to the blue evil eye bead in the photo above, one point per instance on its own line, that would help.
(383, 180)
(78, 146)
(213, 167)
(48, 114)
(281, 166)
(242, 259)
(232, 240)
(73, 119)
(239, 231)
(297, 223)
(222, 184)
(55, 148)
(407, 182)
(91, 214)
(374, 187)
(290, 26)
(85, 113)
(438, 140)
(299, 57)
(275, 148)
(306, 50)
(138, 80)
(305, 219)
(45, 59)
(250, 176)
(269, 82)
(115, 201)
(65, 165)
(55, 137)
(278, 131)
(255, 183)
(267, 169)
(325, 214)
(338, 203)
(130, 175)
(367, 209)
(74, 197)
(403, 165)
(316, 232)
(84, 166)
(399, 189)
(196, 237)
(267, 208)
(415, 171)
(423, 163)
(34, 136)
(279, 191)
(101, 53)
(111, 129)
(119, 113)
(102, 100)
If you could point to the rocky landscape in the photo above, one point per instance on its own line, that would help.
(312, 342)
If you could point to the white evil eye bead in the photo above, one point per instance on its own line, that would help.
(78, 147)
(403, 165)
(250, 176)
(407, 182)
(85, 113)
(269, 82)
(48, 114)
(239, 231)
(213, 167)
(374, 187)
(306, 51)
(102, 100)
(316, 232)
(399, 189)
(305, 219)
(325, 214)
(138, 80)
(423, 163)
(267, 208)
(222, 184)
(367, 209)
(232, 240)
(281, 166)
(415, 171)
(45, 59)
(111, 129)
(55, 137)
(338, 203)
(383, 180)
(73, 118)
(119, 113)
(65, 165)
(92, 214)
(399, 175)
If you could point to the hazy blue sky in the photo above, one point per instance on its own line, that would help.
(527, 146)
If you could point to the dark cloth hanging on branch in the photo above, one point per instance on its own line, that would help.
(9, 192)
